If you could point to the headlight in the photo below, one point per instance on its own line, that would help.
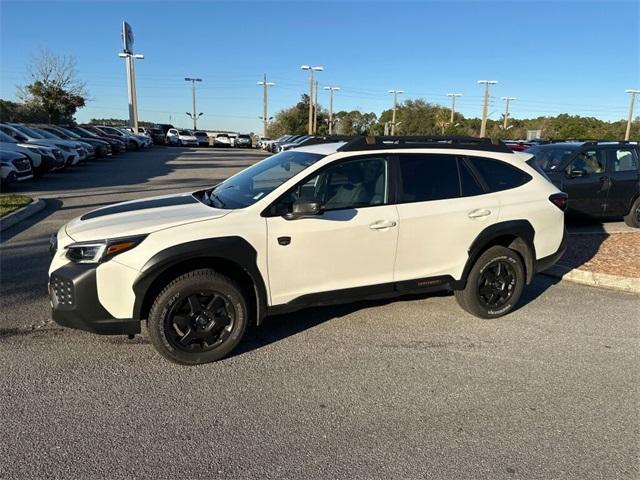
(101, 251)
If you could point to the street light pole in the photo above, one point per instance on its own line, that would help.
(265, 93)
(194, 116)
(453, 105)
(506, 111)
(331, 90)
(485, 107)
(630, 117)
(395, 107)
(131, 87)
(315, 108)
(311, 85)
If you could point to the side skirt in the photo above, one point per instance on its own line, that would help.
(370, 292)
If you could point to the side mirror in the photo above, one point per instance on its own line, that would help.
(575, 173)
(304, 209)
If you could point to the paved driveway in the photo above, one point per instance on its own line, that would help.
(413, 388)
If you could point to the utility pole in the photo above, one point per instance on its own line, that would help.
(331, 90)
(265, 93)
(395, 107)
(194, 116)
(630, 117)
(453, 105)
(485, 107)
(506, 111)
(311, 85)
(315, 108)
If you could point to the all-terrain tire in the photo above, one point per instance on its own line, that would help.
(633, 217)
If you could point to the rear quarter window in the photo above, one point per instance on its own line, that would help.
(497, 175)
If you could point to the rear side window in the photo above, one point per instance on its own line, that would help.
(469, 186)
(499, 175)
(428, 177)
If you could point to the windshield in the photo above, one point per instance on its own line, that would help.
(253, 183)
(6, 138)
(549, 158)
(112, 131)
(57, 133)
(46, 134)
(28, 132)
(185, 132)
(200, 134)
(70, 133)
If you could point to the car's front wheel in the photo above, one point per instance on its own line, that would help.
(494, 284)
(633, 217)
(199, 317)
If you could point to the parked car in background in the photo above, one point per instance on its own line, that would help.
(86, 151)
(601, 178)
(117, 146)
(181, 138)
(34, 153)
(222, 140)
(294, 144)
(146, 139)
(101, 148)
(133, 141)
(70, 150)
(102, 134)
(243, 141)
(275, 146)
(263, 142)
(232, 139)
(158, 133)
(517, 146)
(202, 137)
(14, 167)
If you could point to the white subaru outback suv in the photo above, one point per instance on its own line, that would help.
(323, 224)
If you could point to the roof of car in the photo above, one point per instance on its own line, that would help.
(321, 148)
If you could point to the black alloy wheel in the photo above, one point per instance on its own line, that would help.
(496, 284)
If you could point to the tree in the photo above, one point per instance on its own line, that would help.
(55, 87)
(20, 112)
(354, 122)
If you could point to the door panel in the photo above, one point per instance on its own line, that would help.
(625, 179)
(336, 250)
(587, 193)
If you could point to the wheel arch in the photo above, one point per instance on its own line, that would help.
(231, 256)
(518, 235)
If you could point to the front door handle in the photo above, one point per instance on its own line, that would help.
(381, 224)
(479, 213)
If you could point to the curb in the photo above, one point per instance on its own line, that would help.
(601, 280)
(21, 214)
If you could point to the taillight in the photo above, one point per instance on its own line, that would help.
(559, 200)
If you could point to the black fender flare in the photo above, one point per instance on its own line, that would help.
(523, 244)
(234, 250)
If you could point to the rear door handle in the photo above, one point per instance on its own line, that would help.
(479, 213)
(380, 224)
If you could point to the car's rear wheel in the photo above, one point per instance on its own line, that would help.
(199, 317)
(633, 217)
(494, 284)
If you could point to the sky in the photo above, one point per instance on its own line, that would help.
(554, 57)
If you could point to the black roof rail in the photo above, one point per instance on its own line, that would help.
(423, 141)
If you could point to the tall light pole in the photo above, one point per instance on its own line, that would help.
(131, 87)
(194, 116)
(311, 85)
(485, 107)
(265, 94)
(506, 110)
(453, 105)
(630, 117)
(315, 108)
(395, 107)
(331, 90)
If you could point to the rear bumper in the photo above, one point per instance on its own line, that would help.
(548, 261)
(75, 304)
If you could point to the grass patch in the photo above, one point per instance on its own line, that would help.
(10, 203)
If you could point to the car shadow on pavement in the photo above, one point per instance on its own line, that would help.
(583, 243)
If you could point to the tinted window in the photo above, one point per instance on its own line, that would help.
(589, 161)
(624, 160)
(550, 157)
(428, 177)
(499, 175)
(469, 186)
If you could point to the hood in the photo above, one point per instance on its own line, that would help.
(139, 217)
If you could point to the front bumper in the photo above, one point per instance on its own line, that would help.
(75, 304)
(547, 262)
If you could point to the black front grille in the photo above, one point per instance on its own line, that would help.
(22, 164)
(61, 291)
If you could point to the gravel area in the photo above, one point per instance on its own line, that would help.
(613, 254)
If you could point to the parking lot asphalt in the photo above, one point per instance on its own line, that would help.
(403, 389)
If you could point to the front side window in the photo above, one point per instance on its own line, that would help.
(427, 177)
(624, 160)
(589, 161)
(350, 184)
(551, 157)
(250, 185)
(499, 175)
